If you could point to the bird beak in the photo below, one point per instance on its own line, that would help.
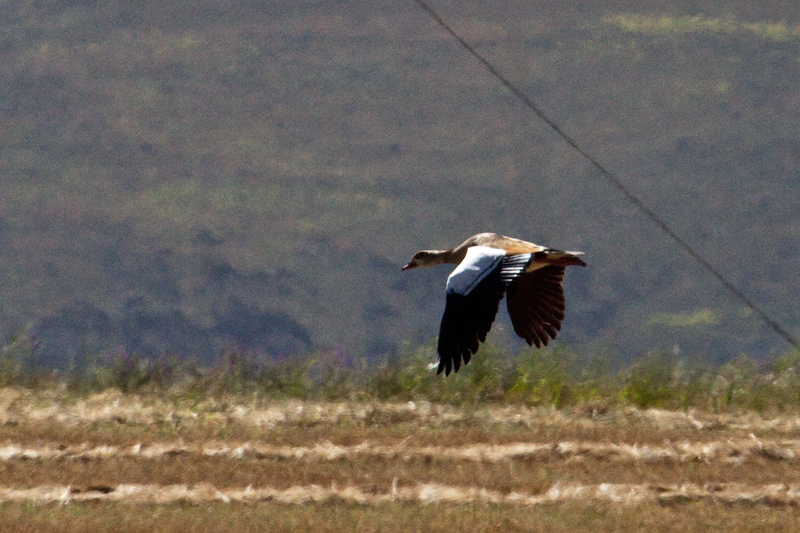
(409, 266)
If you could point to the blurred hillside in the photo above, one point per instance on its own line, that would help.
(181, 176)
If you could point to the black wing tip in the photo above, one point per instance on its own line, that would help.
(453, 363)
(540, 338)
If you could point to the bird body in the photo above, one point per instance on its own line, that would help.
(491, 266)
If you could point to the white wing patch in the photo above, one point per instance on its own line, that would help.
(477, 264)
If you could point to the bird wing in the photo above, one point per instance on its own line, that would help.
(536, 304)
(474, 291)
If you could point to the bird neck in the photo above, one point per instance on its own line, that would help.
(453, 256)
(438, 257)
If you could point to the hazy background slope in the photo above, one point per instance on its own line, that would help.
(175, 176)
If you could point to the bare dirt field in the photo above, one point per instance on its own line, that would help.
(129, 463)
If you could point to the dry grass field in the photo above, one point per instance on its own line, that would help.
(124, 462)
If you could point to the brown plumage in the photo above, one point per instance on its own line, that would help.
(528, 274)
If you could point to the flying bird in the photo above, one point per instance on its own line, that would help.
(490, 266)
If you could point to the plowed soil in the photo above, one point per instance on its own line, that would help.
(127, 463)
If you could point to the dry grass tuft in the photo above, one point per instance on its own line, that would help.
(427, 493)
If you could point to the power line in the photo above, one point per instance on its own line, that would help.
(640, 205)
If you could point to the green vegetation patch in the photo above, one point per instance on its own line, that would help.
(671, 25)
(551, 377)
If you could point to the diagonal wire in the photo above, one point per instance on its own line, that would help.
(640, 205)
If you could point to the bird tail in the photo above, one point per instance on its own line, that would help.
(562, 259)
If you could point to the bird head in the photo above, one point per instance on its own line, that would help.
(424, 258)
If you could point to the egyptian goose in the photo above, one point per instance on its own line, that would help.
(489, 266)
